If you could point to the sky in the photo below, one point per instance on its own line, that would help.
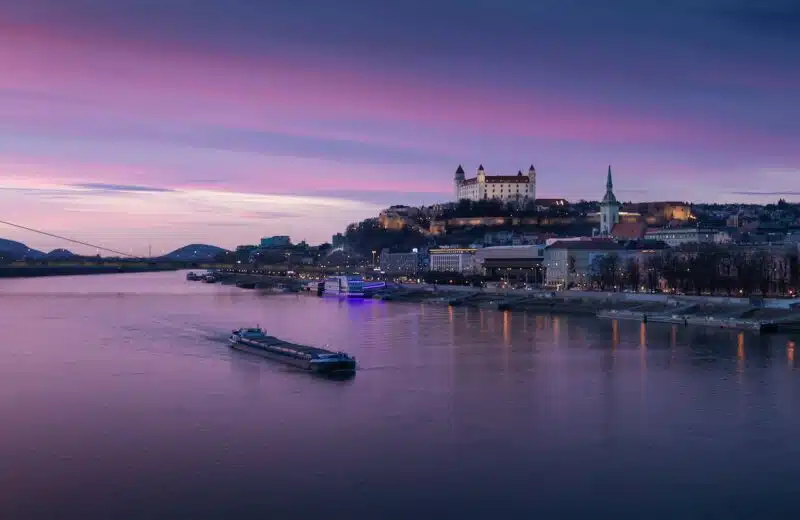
(148, 124)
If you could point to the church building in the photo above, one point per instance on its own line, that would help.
(507, 188)
(609, 208)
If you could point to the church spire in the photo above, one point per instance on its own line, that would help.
(609, 197)
(609, 208)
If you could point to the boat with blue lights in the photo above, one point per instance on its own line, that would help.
(313, 359)
(345, 286)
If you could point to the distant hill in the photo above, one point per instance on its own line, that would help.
(59, 254)
(194, 253)
(18, 250)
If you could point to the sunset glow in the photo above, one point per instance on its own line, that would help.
(138, 126)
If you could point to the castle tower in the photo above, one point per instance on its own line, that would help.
(481, 183)
(458, 180)
(609, 208)
(532, 183)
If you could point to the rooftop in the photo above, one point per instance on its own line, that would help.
(587, 245)
(608, 245)
(682, 230)
(629, 230)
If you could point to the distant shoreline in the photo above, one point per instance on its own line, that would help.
(38, 271)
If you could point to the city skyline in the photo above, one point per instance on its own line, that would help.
(144, 124)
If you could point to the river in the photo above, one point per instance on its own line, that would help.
(121, 399)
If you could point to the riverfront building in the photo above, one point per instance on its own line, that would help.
(408, 264)
(508, 188)
(454, 260)
(275, 242)
(522, 263)
(679, 236)
(569, 263)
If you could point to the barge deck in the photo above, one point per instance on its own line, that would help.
(314, 359)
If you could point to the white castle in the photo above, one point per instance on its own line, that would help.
(502, 187)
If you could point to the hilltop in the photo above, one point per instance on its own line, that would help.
(59, 254)
(13, 251)
(195, 253)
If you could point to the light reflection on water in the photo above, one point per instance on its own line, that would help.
(122, 400)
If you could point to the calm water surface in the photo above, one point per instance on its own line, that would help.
(120, 399)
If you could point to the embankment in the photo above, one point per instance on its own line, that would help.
(771, 315)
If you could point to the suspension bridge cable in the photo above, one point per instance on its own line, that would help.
(87, 244)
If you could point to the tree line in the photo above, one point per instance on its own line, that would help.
(708, 269)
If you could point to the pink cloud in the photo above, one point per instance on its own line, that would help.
(281, 175)
(177, 84)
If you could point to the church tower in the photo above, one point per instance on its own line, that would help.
(458, 180)
(609, 208)
(532, 183)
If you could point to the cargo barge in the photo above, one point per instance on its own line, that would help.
(312, 359)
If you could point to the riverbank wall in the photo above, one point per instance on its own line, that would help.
(770, 315)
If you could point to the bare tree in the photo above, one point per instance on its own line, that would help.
(653, 267)
(632, 274)
(793, 268)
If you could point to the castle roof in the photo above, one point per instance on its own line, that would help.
(515, 179)
(499, 179)
(460, 169)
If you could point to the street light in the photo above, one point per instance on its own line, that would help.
(373, 257)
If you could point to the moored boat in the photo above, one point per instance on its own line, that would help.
(345, 286)
(312, 359)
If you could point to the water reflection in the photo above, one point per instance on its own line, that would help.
(246, 369)
(740, 352)
(673, 340)
(137, 405)
(556, 323)
(507, 328)
(643, 335)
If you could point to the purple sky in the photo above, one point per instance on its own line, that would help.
(140, 122)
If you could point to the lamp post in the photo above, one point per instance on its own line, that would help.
(373, 257)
